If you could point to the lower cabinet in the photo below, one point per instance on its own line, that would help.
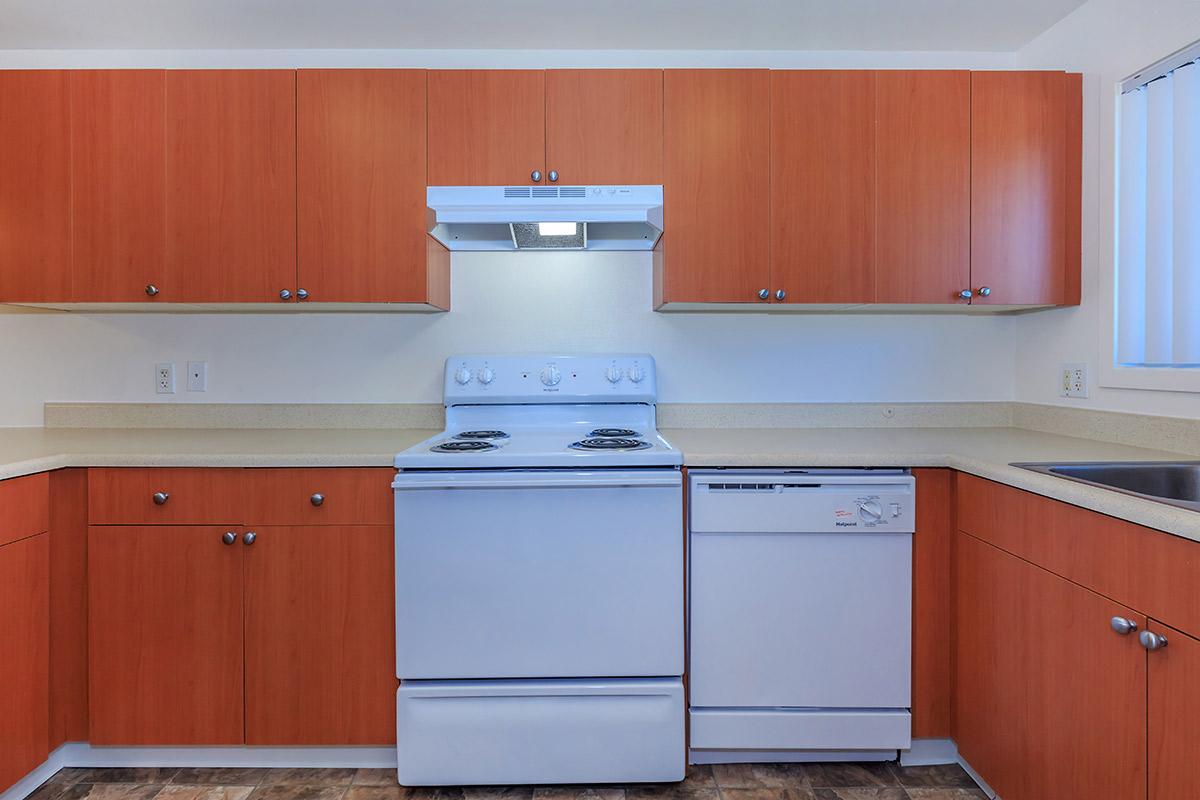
(1174, 715)
(24, 657)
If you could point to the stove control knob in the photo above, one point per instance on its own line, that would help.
(551, 376)
(486, 376)
(870, 510)
(613, 374)
(636, 374)
(463, 376)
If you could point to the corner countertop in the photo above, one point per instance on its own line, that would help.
(986, 452)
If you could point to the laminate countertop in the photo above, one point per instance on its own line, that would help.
(986, 452)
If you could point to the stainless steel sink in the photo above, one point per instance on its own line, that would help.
(1176, 483)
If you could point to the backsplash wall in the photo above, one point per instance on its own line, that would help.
(574, 302)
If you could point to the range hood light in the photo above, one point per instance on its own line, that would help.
(558, 228)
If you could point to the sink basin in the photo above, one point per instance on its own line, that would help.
(1176, 483)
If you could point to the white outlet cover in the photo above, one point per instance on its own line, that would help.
(197, 376)
(1073, 380)
(164, 378)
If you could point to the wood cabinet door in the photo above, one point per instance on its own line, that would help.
(231, 185)
(604, 126)
(716, 242)
(35, 186)
(487, 127)
(923, 186)
(25, 664)
(1051, 702)
(118, 200)
(933, 593)
(361, 185)
(1174, 681)
(1018, 187)
(318, 496)
(165, 635)
(822, 179)
(320, 636)
(68, 607)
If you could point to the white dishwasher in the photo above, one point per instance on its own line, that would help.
(800, 613)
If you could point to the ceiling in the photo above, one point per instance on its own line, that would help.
(964, 25)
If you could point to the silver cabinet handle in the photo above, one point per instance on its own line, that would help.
(317, 499)
(249, 537)
(229, 537)
(285, 294)
(552, 175)
(160, 498)
(302, 294)
(1152, 641)
(1122, 625)
(535, 176)
(763, 294)
(151, 289)
(780, 294)
(984, 291)
(965, 294)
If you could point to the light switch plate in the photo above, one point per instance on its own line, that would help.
(1073, 380)
(197, 376)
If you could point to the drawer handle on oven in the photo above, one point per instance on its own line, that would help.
(595, 482)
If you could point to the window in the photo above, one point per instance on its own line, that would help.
(1157, 297)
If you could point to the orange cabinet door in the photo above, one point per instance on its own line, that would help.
(165, 635)
(68, 607)
(1051, 702)
(24, 507)
(165, 496)
(361, 185)
(716, 242)
(320, 636)
(25, 665)
(231, 185)
(933, 593)
(35, 186)
(1018, 187)
(923, 186)
(1174, 681)
(118, 200)
(604, 126)
(822, 179)
(487, 127)
(318, 496)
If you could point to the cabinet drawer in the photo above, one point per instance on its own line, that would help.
(24, 507)
(135, 496)
(337, 496)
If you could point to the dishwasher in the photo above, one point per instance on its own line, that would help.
(799, 614)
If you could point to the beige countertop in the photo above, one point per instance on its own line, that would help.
(986, 452)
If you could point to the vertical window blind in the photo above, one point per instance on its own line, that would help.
(1158, 219)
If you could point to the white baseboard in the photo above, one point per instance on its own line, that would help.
(81, 754)
(925, 752)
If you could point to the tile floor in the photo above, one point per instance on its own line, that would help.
(719, 782)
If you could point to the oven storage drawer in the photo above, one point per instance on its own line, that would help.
(800, 729)
(546, 731)
(539, 574)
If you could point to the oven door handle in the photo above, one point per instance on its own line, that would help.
(539, 481)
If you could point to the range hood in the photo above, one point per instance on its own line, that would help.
(546, 217)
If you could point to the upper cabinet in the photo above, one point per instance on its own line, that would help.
(35, 186)
(361, 189)
(822, 183)
(922, 186)
(487, 127)
(231, 185)
(716, 189)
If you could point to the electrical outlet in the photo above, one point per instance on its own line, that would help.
(1073, 381)
(197, 376)
(164, 378)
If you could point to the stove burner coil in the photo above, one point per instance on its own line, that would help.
(481, 435)
(610, 432)
(610, 443)
(467, 446)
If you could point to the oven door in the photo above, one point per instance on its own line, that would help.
(539, 574)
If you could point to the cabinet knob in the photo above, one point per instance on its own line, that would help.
(965, 294)
(317, 499)
(780, 294)
(984, 291)
(285, 294)
(535, 176)
(1152, 641)
(229, 537)
(302, 294)
(553, 175)
(160, 498)
(151, 289)
(763, 294)
(1122, 625)
(249, 538)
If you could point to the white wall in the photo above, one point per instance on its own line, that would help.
(1107, 40)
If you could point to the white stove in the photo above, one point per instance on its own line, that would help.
(539, 579)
